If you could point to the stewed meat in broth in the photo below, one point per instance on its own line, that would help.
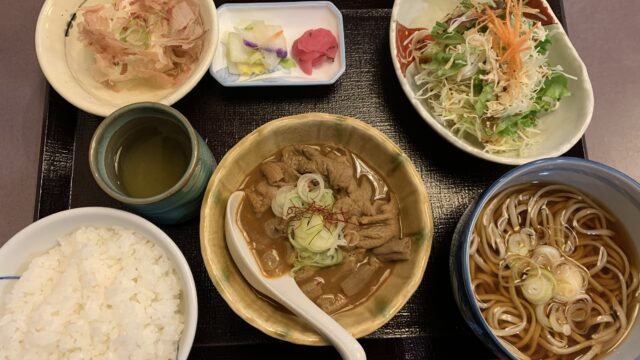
(321, 214)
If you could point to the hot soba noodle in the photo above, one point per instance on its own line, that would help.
(550, 273)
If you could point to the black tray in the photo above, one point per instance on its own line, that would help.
(429, 326)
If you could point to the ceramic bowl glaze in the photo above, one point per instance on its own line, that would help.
(381, 154)
(37, 238)
(65, 62)
(614, 190)
(179, 203)
(560, 129)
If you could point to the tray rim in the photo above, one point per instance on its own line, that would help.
(59, 113)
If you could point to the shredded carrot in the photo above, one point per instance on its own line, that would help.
(508, 43)
(276, 35)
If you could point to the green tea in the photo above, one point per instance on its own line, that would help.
(152, 157)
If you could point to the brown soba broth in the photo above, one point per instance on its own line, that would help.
(320, 213)
(554, 274)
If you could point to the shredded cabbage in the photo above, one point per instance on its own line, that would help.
(478, 86)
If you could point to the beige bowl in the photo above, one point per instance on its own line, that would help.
(379, 152)
(67, 64)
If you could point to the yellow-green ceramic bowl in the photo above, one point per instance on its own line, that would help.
(379, 152)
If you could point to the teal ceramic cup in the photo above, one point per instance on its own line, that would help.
(178, 203)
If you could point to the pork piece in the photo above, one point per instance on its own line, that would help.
(275, 228)
(377, 229)
(362, 200)
(376, 235)
(313, 288)
(385, 212)
(331, 303)
(305, 273)
(355, 204)
(291, 254)
(361, 277)
(345, 205)
(260, 196)
(396, 249)
(272, 171)
(337, 169)
(294, 159)
(348, 266)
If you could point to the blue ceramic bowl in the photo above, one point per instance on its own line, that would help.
(616, 191)
(179, 203)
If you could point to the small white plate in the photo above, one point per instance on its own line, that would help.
(559, 130)
(64, 60)
(295, 18)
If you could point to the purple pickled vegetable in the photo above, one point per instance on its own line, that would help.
(281, 53)
(250, 44)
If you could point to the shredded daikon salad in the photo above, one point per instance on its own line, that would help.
(153, 42)
(484, 72)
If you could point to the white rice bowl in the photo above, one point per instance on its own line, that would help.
(102, 292)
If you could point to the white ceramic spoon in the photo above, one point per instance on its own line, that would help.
(284, 289)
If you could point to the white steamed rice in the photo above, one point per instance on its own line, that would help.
(102, 293)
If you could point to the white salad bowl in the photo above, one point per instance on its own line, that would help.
(65, 62)
(559, 130)
(37, 238)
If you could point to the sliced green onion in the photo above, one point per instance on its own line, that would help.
(518, 243)
(539, 289)
(571, 282)
(306, 188)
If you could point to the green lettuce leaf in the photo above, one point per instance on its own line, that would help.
(485, 96)
(509, 125)
(542, 47)
(440, 34)
(555, 88)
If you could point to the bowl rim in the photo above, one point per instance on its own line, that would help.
(103, 109)
(414, 176)
(486, 195)
(98, 140)
(181, 265)
(463, 145)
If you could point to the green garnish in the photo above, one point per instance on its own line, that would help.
(485, 95)
(441, 35)
(542, 47)
(287, 63)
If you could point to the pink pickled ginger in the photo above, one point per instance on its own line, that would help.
(314, 48)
